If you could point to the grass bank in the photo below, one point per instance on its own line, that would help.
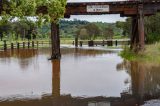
(150, 54)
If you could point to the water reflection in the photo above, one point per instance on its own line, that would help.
(80, 72)
(56, 78)
(56, 99)
(145, 80)
(19, 53)
(24, 56)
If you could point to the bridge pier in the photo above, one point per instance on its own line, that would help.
(134, 35)
(141, 27)
(137, 38)
(55, 39)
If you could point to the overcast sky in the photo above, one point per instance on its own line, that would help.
(95, 18)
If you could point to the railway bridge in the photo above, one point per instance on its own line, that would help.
(136, 9)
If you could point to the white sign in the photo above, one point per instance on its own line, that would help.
(97, 8)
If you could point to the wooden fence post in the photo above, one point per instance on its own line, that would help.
(32, 44)
(18, 45)
(12, 46)
(23, 45)
(28, 44)
(5, 45)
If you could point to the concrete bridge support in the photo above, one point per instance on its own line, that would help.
(55, 38)
(138, 36)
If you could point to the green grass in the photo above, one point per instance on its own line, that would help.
(150, 54)
(120, 37)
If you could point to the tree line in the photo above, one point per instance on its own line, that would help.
(29, 29)
(18, 30)
(88, 30)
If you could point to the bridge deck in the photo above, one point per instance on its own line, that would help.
(124, 8)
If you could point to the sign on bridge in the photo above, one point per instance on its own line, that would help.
(97, 8)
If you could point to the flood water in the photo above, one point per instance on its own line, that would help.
(83, 77)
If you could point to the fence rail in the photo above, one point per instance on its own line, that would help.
(35, 44)
(26, 44)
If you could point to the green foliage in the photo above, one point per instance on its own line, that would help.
(18, 29)
(55, 9)
(128, 54)
(23, 8)
(72, 28)
(89, 31)
(148, 55)
(83, 34)
(69, 28)
(125, 26)
(108, 33)
(153, 37)
(25, 28)
(92, 30)
(152, 28)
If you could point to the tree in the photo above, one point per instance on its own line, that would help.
(92, 30)
(125, 26)
(54, 9)
(108, 33)
(83, 34)
(151, 25)
(152, 28)
(5, 29)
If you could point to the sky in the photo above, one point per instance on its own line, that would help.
(97, 18)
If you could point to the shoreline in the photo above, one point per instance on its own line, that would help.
(150, 54)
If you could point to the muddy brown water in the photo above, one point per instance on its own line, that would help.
(83, 77)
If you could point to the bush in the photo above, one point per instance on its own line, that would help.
(152, 38)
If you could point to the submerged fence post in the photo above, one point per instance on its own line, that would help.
(18, 45)
(103, 43)
(91, 43)
(5, 45)
(37, 44)
(76, 41)
(23, 45)
(116, 42)
(28, 44)
(109, 43)
(80, 43)
(12, 46)
(32, 44)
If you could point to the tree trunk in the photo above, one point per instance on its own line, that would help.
(55, 41)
